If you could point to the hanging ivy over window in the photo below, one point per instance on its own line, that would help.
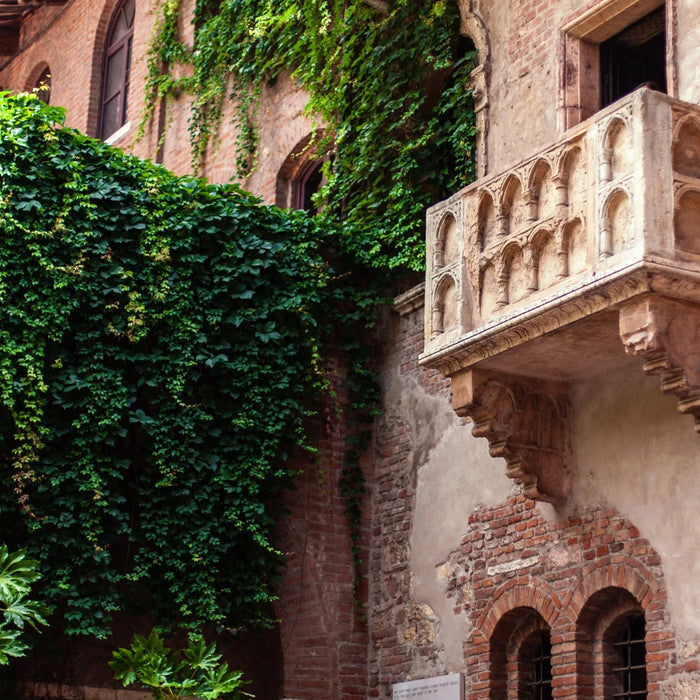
(161, 345)
(391, 88)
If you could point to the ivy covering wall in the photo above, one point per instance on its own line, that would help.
(391, 88)
(159, 348)
(162, 341)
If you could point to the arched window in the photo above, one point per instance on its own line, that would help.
(624, 654)
(535, 667)
(42, 85)
(116, 69)
(301, 175)
(521, 657)
(611, 648)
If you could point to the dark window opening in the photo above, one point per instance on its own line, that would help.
(307, 184)
(42, 87)
(117, 69)
(634, 57)
(627, 673)
(536, 665)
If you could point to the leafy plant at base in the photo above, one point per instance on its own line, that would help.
(17, 573)
(391, 89)
(161, 347)
(194, 672)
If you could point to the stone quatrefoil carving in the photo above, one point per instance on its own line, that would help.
(540, 276)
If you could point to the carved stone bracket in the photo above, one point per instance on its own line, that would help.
(526, 422)
(665, 334)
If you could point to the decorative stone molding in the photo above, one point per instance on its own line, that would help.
(665, 334)
(411, 300)
(472, 26)
(526, 422)
(538, 271)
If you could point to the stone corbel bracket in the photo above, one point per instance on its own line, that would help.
(665, 334)
(526, 422)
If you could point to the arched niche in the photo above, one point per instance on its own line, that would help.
(687, 222)
(447, 242)
(572, 171)
(487, 221)
(547, 260)
(542, 187)
(686, 148)
(616, 232)
(446, 306)
(618, 143)
(575, 245)
(488, 291)
(514, 204)
(518, 273)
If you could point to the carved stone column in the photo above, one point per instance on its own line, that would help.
(526, 422)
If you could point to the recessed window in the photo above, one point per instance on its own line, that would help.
(634, 57)
(42, 86)
(117, 67)
(536, 667)
(625, 658)
(609, 51)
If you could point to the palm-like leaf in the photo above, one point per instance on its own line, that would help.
(17, 573)
(195, 672)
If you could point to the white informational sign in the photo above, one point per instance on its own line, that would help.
(448, 687)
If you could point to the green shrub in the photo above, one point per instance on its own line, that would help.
(194, 672)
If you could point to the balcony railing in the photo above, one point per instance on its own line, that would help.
(546, 271)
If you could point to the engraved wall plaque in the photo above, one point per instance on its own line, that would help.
(449, 687)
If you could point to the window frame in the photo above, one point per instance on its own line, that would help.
(112, 47)
(580, 92)
(618, 671)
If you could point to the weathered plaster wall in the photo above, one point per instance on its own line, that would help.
(635, 452)
(452, 537)
(457, 475)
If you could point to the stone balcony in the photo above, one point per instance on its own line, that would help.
(569, 265)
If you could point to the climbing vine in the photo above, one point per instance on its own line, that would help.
(389, 86)
(162, 340)
(161, 346)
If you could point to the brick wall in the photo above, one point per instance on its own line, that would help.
(402, 630)
(323, 634)
(577, 571)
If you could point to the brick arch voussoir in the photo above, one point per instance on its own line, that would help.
(511, 595)
(630, 575)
